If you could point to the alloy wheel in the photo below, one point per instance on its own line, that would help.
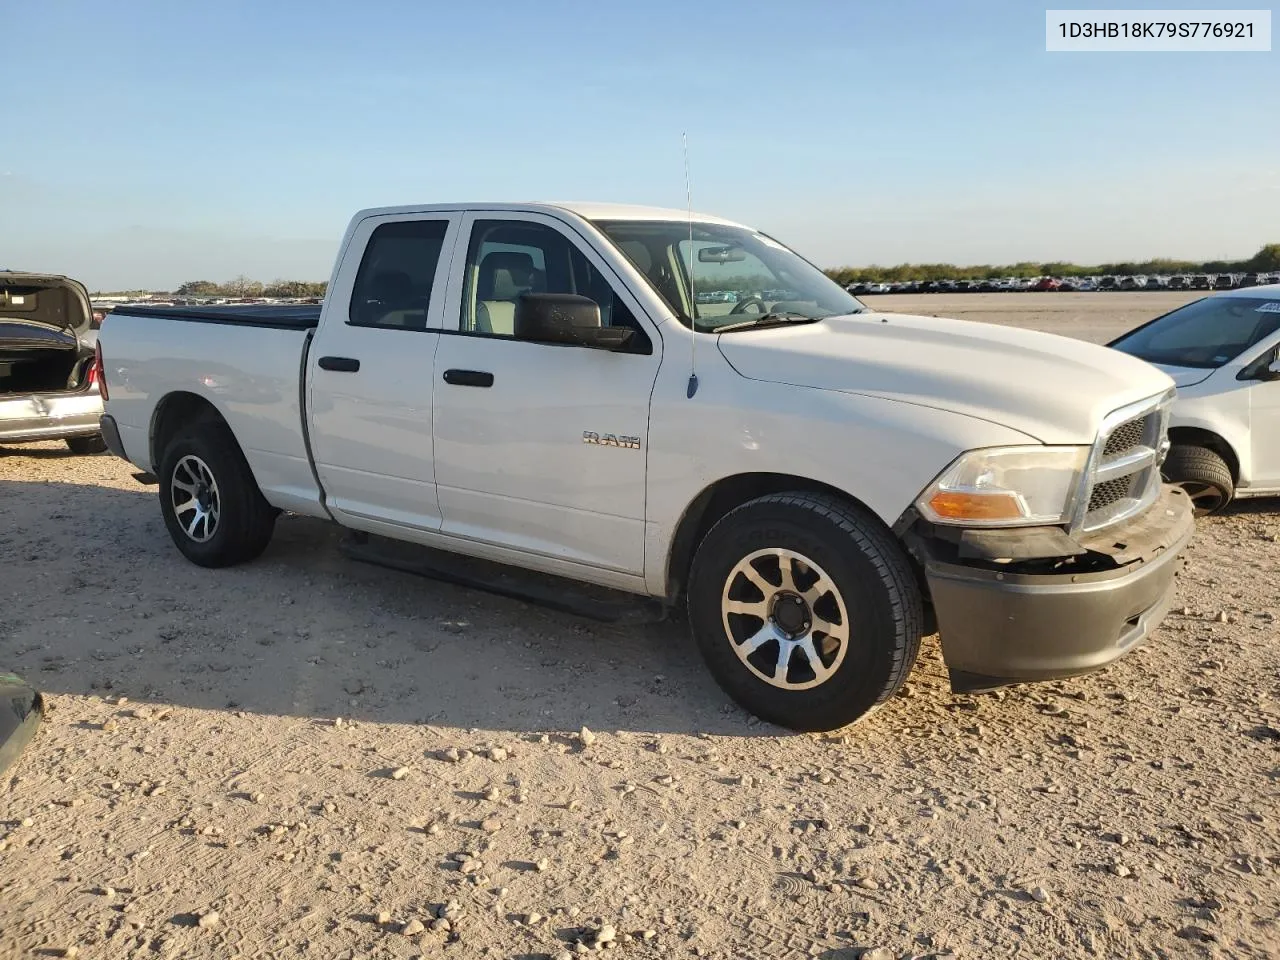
(785, 619)
(195, 499)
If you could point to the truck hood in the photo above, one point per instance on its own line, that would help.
(1054, 389)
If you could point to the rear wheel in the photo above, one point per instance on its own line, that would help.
(805, 610)
(83, 446)
(211, 503)
(1203, 474)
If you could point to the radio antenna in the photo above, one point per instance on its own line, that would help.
(693, 296)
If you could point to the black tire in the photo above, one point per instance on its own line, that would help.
(872, 575)
(1203, 474)
(245, 521)
(83, 446)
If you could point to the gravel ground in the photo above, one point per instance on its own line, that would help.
(306, 757)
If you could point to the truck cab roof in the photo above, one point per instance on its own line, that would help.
(587, 210)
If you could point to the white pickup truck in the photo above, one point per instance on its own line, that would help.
(681, 408)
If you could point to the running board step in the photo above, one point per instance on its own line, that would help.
(544, 590)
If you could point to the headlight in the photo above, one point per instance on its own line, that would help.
(1006, 486)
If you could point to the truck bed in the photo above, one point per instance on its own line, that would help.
(291, 316)
(245, 360)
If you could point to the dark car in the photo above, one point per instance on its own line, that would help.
(1224, 281)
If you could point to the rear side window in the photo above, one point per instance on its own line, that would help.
(393, 286)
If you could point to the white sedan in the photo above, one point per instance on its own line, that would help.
(1223, 351)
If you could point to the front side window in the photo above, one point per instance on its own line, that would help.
(1205, 334)
(726, 275)
(507, 258)
(393, 284)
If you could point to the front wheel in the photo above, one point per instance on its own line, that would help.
(1203, 474)
(210, 501)
(805, 610)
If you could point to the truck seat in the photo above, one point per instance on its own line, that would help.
(502, 277)
(658, 273)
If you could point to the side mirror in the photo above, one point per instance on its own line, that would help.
(565, 318)
(1265, 368)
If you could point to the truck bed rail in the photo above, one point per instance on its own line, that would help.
(287, 317)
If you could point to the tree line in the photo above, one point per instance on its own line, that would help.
(1265, 260)
(242, 287)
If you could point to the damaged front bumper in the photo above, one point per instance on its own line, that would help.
(1015, 606)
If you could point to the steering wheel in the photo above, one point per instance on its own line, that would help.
(741, 305)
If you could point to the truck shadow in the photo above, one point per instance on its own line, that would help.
(100, 602)
(42, 452)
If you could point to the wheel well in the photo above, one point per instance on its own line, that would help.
(1196, 437)
(174, 412)
(720, 498)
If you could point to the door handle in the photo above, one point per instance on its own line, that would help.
(340, 364)
(468, 378)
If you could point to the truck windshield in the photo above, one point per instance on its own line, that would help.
(1205, 334)
(738, 275)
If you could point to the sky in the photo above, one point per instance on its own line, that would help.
(146, 144)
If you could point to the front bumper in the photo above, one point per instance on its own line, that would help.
(1001, 627)
(49, 416)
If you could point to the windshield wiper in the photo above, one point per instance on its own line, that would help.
(766, 320)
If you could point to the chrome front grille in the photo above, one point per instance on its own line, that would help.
(1123, 475)
(1109, 492)
(1128, 435)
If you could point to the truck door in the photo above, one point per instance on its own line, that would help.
(369, 373)
(541, 448)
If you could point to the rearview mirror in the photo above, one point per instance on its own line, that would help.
(565, 318)
(722, 255)
(1272, 370)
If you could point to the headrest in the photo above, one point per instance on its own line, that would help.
(519, 265)
(638, 253)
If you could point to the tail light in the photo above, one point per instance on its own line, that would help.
(96, 373)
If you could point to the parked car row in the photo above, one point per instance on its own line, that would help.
(1198, 281)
